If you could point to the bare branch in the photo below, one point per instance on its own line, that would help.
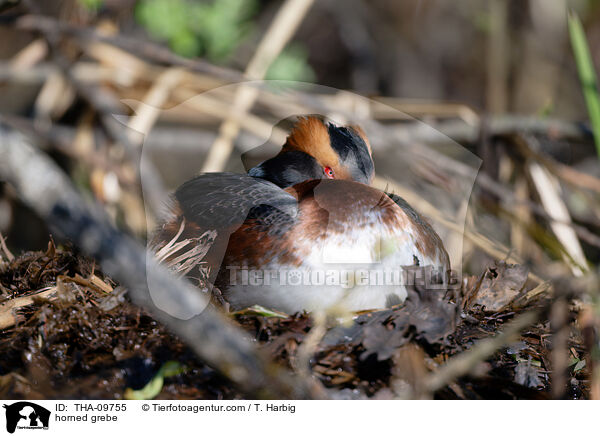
(216, 340)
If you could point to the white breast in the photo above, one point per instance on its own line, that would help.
(363, 268)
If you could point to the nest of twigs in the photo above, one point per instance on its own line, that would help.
(70, 332)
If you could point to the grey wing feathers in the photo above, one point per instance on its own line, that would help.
(217, 200)
(407, 208)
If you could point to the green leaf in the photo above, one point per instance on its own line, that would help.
(92, 5)
(291, 64)
(191, 28)
(224, 25)
(580, 365)
(164, 19)
(587, 74)
(185, 43)
(153, 388)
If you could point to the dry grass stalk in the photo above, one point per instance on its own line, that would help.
(7, 318)
(148, 111)
(29, 56)
(5, 249)
(283, 27)
(55, 97)
(549, 191)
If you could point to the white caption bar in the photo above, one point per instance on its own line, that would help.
(292, 417)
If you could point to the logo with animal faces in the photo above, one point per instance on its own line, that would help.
(25, 415)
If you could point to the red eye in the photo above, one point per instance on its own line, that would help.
(329, 173)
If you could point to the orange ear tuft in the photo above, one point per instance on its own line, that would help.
(309, 133)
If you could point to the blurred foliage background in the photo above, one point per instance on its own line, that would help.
(425, 49)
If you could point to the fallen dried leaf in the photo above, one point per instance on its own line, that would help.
(501, 285)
